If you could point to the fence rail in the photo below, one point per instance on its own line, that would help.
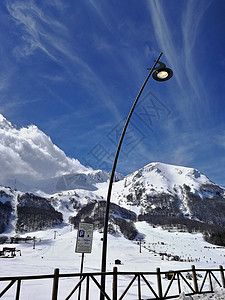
(123, 285)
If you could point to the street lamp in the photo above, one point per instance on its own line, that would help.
(161, 73)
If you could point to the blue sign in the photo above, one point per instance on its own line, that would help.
(81, 233)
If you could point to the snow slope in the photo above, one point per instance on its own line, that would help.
(50, 253)
(32, 163)
(157, 179)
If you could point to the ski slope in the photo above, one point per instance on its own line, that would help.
(55, 248)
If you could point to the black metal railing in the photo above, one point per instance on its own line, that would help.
(121, 285)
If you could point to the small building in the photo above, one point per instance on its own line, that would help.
(10, 251)
(118, 262)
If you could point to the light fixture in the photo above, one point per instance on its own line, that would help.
(162, 73)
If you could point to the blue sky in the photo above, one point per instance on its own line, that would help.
(74, 68)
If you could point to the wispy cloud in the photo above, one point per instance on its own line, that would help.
(33, 21)
(219, 138)
(10, 106)
(5, 79)
(192, 101)
(102, 15)
(6, 74)
(44, 33)
(164, 37)
(180, 57)
(190, 29)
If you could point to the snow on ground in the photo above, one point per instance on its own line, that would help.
(55, 248)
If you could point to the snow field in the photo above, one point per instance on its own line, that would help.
(59, 252)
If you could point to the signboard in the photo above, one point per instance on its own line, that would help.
(84, 238)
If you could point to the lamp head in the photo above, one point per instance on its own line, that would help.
(162, 73)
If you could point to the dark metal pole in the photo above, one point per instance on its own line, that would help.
(81, 271)
(55, 285)
(104, 246)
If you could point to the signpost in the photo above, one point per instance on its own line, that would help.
(84, 243)
(84, 238)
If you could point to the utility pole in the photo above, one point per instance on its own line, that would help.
(139, 242)
(55, 234)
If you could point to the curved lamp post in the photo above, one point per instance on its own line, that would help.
(161, 73)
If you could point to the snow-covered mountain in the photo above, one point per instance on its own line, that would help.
(159, 194)
(159, 178)
(162, 190)
(46, 188)
(49, 191)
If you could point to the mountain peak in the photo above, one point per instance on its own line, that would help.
(158, 178)
(175, 173)
(167, 191)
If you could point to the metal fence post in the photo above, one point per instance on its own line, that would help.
(195, 279)
(55, 285)
(87, 287)
(159, 281)
(222, 276)
(115, 283)
(139, 287)
(18, 289)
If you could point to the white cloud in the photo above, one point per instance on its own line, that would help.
(29, 152)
